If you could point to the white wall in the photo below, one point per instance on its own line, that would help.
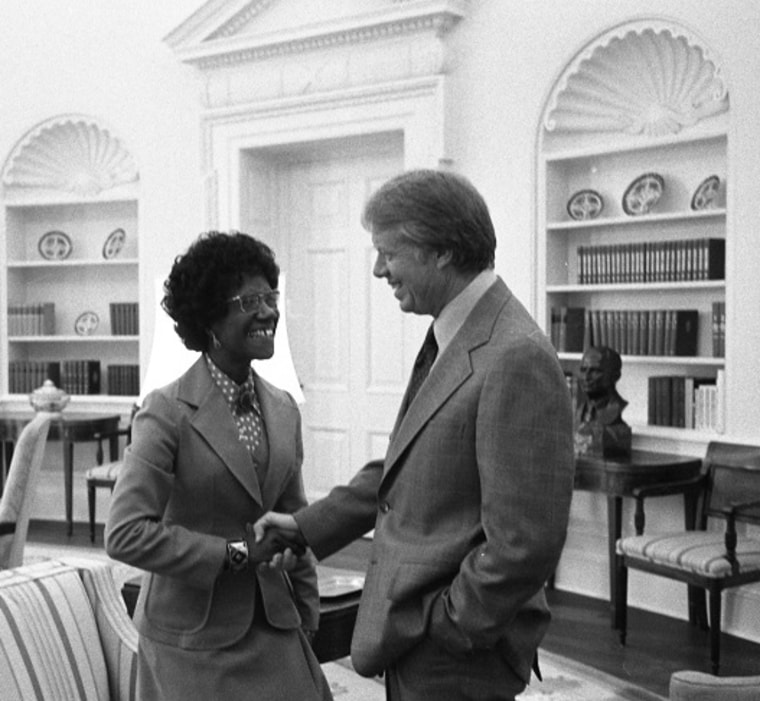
(106, 58)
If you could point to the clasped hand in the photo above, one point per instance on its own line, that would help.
(275, 541)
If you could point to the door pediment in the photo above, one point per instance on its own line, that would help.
(231, 31)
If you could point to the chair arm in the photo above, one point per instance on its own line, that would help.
(700, 686)
(102, 436)
(730, 539)
(118, 635)
(690, 487)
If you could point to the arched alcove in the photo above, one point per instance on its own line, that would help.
(70, 153)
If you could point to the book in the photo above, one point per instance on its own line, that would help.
(684, 332)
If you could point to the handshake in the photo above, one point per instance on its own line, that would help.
(271, 537)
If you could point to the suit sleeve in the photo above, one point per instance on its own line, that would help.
(345, 514)
(524, 455)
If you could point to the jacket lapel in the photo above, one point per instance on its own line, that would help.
(452, 369)
(213, 421)
(274, 414)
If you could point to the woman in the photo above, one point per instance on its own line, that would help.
(210, 453)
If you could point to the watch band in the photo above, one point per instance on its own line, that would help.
(237, 556)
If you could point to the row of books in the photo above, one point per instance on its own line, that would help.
(659, 332)
(31, 319)
(652, 261)
(72, 376)
(687, 402)
(123, 380)
(124, 319)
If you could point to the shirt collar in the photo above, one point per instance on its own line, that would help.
(454, 314)
(231, 389)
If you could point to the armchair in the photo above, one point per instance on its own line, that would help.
(708, 557)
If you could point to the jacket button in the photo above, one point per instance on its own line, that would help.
(385, 507)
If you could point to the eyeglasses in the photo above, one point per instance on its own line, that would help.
(251, 304)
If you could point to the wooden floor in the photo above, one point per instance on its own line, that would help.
(656, 647)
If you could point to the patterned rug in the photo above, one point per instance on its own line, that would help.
(564, 679)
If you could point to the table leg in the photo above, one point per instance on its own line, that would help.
(68, 478)
(614, 529)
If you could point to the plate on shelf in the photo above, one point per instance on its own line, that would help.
(54, 245)
(86, 323)
(337, 584)
(585, 204)
(114, 243)
(705, 195)
(643, 194)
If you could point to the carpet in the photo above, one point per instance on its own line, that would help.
(563, 679)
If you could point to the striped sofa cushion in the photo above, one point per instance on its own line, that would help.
(49, 644)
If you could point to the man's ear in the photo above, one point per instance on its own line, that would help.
(443, 259)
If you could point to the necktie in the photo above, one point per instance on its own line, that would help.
(425, 359)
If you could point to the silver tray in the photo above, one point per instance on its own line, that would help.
(334, 583)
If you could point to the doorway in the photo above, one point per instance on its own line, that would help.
(352, 347)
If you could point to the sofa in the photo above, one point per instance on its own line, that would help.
(65, 633)
(688, 685)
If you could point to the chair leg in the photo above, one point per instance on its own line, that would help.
(715, 593)
(697, 607)
(621, 597)
(91, 509)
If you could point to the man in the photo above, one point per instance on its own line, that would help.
(600, 429)
(470, 505)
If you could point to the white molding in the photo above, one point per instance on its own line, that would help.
(204, 41)
(70, 153)
(649, 76)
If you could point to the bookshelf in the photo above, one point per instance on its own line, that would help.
(69, 263)
(652, 283)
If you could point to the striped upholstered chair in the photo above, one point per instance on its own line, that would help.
(65, 634)
(720, 552)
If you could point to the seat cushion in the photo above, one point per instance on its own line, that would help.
(698, 686)
(104, 473)
(49, 643)
(693, 551)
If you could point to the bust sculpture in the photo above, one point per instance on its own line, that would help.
(599, 426)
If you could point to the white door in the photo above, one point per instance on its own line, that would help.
(351, 344)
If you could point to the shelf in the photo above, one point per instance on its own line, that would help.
(677, 360)
(639, 287)
(57, 264)
(621, 222)
(74, 339)
(636, 144)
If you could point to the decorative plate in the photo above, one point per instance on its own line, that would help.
(643, 193)
(86, 323)
(114, 243)
(585, 204)
(54, 245)
(705, 195)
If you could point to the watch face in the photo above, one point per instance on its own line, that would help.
(237, 555)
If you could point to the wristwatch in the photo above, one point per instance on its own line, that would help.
(237, 556)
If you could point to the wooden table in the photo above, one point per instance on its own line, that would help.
(70, 427)
(337, 614)
(618, 477)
